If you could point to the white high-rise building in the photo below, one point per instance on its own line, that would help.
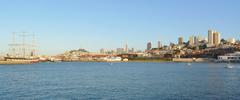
(210, 37)
(191, 40)
(159, 44)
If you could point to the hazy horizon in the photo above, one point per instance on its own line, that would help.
(61, 25)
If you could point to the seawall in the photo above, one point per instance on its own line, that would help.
(191, 60)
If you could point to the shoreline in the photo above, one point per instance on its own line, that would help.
(184, 60)
(15, 62)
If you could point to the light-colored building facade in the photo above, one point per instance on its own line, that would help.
(120, 50)
(210, 37)
(232, 40)
(102, 51)
(216, 38)
(191, 40)
(180, 40)
(159, 44)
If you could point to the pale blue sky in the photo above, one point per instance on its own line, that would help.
(93, 24)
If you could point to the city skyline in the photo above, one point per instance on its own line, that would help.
(110, 24)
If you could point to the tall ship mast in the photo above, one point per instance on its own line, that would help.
(23, 46)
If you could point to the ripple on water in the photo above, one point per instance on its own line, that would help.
(120, 81)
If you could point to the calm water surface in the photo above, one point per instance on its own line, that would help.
(134, 81)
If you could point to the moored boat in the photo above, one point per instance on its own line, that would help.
(232, 57)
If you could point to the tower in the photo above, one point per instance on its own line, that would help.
(180, 40)
(210, 37)
(126, 48)
(159, 44)
(149, 46)
(216, 38)
(191, 40)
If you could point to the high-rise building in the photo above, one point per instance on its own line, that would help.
(206, 39)
(232, 40)
(180, 40)
(210, 37)
(191, 40)
(216, 38)
(196, 40)
(149, 46)
(133, 50)
(126, 48)
(159, 44)
(102, 51)
(200, 38)
(120, 50)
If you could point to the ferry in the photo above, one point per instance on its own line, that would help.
(232, 57)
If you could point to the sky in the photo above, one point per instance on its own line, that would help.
(61, 25)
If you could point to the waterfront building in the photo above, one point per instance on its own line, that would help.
(180, 40)
(149, 46)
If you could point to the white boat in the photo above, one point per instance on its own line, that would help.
(113, 59)
(229, 66)
(232, 57)
(189, 64)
